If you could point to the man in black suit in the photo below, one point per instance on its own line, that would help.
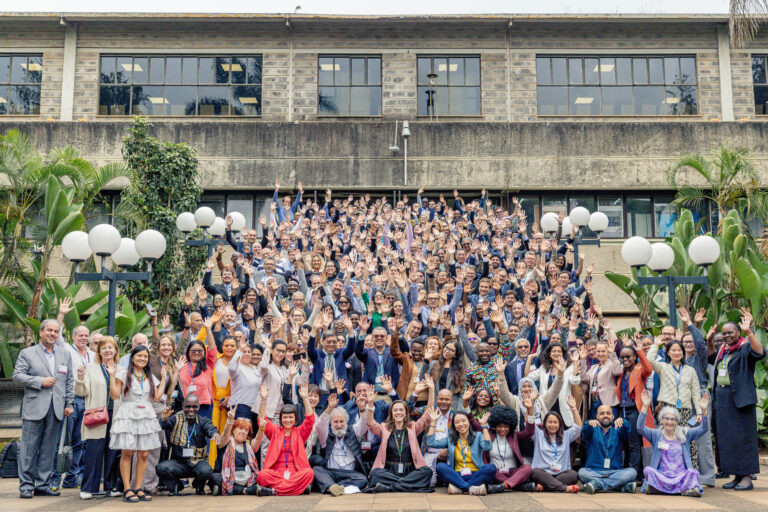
(229, 287)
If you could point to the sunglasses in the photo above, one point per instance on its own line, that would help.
(191, 406)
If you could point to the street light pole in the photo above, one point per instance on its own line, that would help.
(671, 282)
(206, 219)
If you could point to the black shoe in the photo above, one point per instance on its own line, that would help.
(753, 476)
(747, 487)
(25, 495)
(265, 491)
(200, 491)
(720, 475)
(46, 492)
(382, 488)
(730, 485)
(495, 488)
(527, 487)
(308, 490)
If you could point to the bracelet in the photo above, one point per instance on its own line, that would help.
(370, 408)
(485, 427)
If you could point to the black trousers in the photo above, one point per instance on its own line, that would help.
(633, 448)
(237, 490)
(172, 471)
(325, 477)
(416, 481)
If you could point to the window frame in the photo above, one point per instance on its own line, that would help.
(10, 83)
(229, 85)
(447, 57)
(632, 85)
(349, 85)
(755, 85)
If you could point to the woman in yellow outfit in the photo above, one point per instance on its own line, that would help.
(221, 391)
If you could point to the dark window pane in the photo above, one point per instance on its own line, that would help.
(559, 75)
(156, 70)
(374, 71)
(613, 208)
(649, 100)
(5, 72)
(456, 71)
(35, 69)
(254, 70)
(206, 70)
(543, 71)
(671, 70)
(424, 67)
(173, 70)
(114, 100)
(148, 101)
(758, 70)
(222, 70)
(124, 69)
(238, 70)
(656, 70)
(617, 101)
(214, 201)
(624, 71)
(24, 99)
(639, 222)
(328, 101)
(140, 67)
(425, 100)
(440, 67)
(365, 101)
(640, 70)
(358, 71)
(246, 100)
(681, 100)
(182, 100)
(761, 100)
(341, 71)
(591, 71)
(607, 71)
(18, 69)
(575, 71)
(325, 73)
(213, 101)
(4, 99)
(585, 100)
(553, 203)
(688, 70)
(189, 71)
(472, 70)
(552, 101)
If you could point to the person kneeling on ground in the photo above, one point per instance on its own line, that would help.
(604, 439)
(343, 460)
(511, 469)
(465, 452)
(670, 470)
(189, 435)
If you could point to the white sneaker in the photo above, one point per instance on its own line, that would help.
(115, 494)
(452, 489)
(85, 495)
(478, 490)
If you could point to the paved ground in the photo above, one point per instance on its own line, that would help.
(715, 499)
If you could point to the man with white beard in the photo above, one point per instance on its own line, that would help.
(343, 464)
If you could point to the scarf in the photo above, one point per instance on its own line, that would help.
(736, 346)
(179, 435)
(228, 467)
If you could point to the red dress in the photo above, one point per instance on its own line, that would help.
(287, 454)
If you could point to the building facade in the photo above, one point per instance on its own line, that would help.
(559, 110)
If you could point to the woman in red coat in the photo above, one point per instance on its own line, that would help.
(286, 467)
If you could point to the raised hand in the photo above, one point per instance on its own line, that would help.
(81, 373)
(304, 391)
(231, 413)
(685, 317)
(560, 364)
(619, 422)
(468, 394)
(571, 402)
(500, 364)
(701, 314)
(646, 398)
(704, 402)
(65, 306)
(386, 384)
(746, 320)
(484, 418)
(340, 384)
(333, 401)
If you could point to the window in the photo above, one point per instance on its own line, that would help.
(349, 86)
(616, 85)
(453, 89)
(180, 85)
(20, 79)
(759, 83)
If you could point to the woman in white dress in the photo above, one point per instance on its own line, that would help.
(134, 426)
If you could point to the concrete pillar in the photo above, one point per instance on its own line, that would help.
(68, 73)
(724, 60)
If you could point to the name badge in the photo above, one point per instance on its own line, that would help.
(164, 398)
(191, 389)
(365, 445)
(62, 368)
(466, 471)
(378, 380)
(663, 445)
(141, 405)
(722, 372)
(187, 452)
(607, 463)
(175, 393)
(287, 474)
(555, 467)
(416, 380)
(400, 468)
(348, 365)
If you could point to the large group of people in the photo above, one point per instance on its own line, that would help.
(362, 346)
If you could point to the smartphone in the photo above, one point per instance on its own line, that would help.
(297, 357)
(150, 310)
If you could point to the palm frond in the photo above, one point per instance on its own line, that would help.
(744, 20)
(696, 162)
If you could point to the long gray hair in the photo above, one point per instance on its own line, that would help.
(680, 432)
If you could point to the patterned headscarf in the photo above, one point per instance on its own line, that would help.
(228, 467)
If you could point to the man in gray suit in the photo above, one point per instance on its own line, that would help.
(48, 377)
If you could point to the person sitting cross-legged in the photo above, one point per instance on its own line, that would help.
(604, 440)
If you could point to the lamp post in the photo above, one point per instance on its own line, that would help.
(659, 257)
(579, 217)
(104, 240)
(212, 225)
(405, 134)
(432, 94)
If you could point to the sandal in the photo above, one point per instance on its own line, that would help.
(143, 496)
(133, 498)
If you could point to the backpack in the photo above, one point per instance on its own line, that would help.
(9, 460)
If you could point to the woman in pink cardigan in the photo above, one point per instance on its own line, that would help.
(399, 465)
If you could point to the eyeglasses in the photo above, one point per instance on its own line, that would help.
(196, 351)
(626, 356)
(379, 335)
(493, 343)
(190, 406)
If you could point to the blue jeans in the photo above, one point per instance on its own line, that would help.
(74, 423)
(607, 479)
(485, 475)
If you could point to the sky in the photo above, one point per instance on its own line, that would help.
(384, 6)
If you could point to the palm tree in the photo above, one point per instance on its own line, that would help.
(745, 18)
(730, 182)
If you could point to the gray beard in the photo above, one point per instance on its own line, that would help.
(340, 432)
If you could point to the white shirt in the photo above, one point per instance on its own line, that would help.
(501, 454)
(78, 359)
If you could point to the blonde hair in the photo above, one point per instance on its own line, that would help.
(103, 341)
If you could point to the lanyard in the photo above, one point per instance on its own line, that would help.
(678, 374)
(554, 448)
(594, 380)
(343, 448)
(399, 443)
(190, 373)
(463, 453)
(286, 449)
(190, 435)
(498, 448)
(140, 381)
